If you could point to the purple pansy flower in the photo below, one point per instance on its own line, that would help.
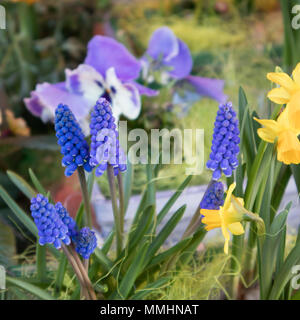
(109, 71)
(169, 56)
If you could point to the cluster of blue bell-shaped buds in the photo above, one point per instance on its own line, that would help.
(71, 139)
(55, 226)
(225, 143)
(213, 197)
(67, 220)
(51, 229)
(86, 242)
(105, 147)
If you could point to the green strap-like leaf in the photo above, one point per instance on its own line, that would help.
(38, 292)
(37, 183)
(21, 184)
(173, 199)
(20, 214)
(130, 276)
(154, 286)
(164, 233)
(127, 184)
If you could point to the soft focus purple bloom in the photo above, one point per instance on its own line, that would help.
(171, 56)
(104, 53)
(109, 71)
(204, 87)
(46, 97)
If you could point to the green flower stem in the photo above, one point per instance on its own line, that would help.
(84, 273)
(122, 202)
(237, 243)
(77, 271)
(85, 196)
(116, 212)
(41, 262)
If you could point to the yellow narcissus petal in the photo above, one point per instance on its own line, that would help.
(226, 235)
(296, 74)
(282, 79)
(270, 131)
(288, 148)
(228, 196)
(279, 95)
(236, 228)
(293, 108)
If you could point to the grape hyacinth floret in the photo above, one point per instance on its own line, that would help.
(224, 149)
(86, 242)
(67, 220)
(71, 139)
(51, 229)
(213, 198)
(105, 147)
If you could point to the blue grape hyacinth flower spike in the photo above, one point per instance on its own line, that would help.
(71, 139)
(86, 242)
(213, 197)
(105, 147)
(225, 143)
(67, 220)
(51, 228)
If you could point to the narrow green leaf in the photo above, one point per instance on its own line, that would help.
(108, 242)
(7, 246)
(127, 184)
(130, 276)
(164, 233)
(153, 286)
(167, 254)
(269, 253)
(150, 186)
(60, 275)
(38, 292)
(20, 214)
(284, 275)
(41, 262)
(173, 199)
(21, 184)
(103, 260)
(138, 231)
(189, 250)
(36, 183)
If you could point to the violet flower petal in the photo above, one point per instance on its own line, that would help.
(163, 44)
(182, 63)
(46, 97)
(208, 87)
(145, 90)
(104, 53)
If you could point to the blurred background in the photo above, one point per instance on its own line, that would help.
(238, 41)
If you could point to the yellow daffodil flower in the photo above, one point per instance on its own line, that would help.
(288, 93)
(286, 132)
(228, 217)
(288, 86)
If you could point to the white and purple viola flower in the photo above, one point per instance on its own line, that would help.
(170, 57)
(109, 71)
